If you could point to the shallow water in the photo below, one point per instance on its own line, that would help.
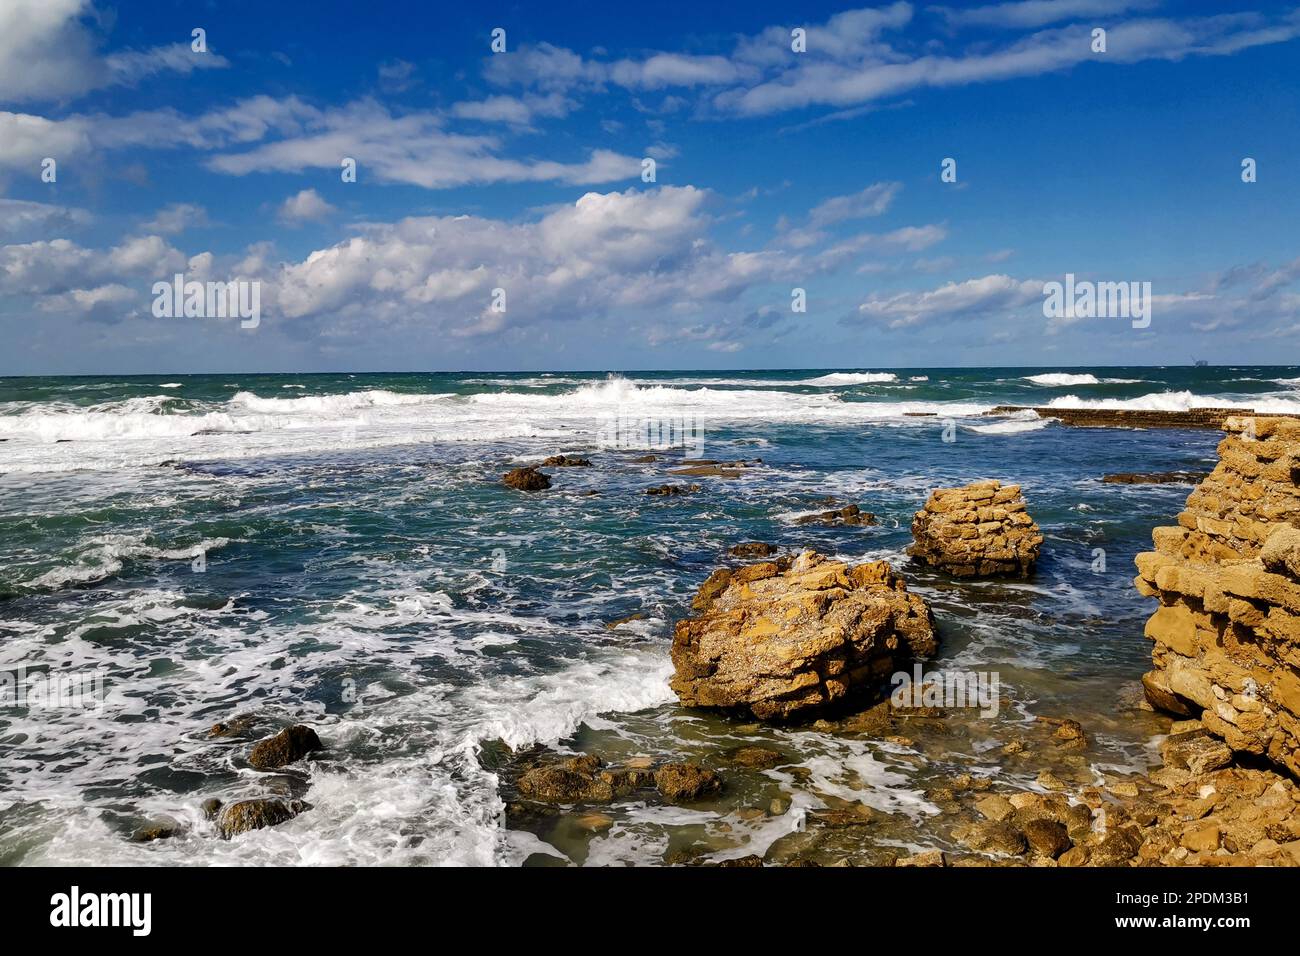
(365, 571)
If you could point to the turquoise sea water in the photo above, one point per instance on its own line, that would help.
(364, 570)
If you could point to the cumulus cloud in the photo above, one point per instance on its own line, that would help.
(305, 206)
(49, 51)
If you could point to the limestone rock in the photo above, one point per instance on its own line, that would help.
(1227, 576)
(286, 747)
(527, 478)
(980, 530)
(780, 638)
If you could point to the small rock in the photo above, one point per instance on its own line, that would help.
(595, 822)
(1047, 837)
(757, 757)
(995, 807)
(686, 781)
(527, 479)
(257, 813)
(286, 747)
(566, 461)
(752, 549)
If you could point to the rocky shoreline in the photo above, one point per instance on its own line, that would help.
(796, 651)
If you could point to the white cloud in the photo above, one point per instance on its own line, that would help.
(177, 217)
(305, 206)
(989, 298)
(1029, 14)
(17, 215)
(49, 52)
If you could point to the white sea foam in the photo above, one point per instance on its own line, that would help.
(852, 378)
(1178, 402)
(1059, 379)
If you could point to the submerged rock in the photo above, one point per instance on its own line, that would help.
(673, 490)
(752, 549)
(779, 638)
(527, 478)
(848, 515)
(686, 781)
(286, 747)
(1154, 478)
(257, 813)
(980, 530)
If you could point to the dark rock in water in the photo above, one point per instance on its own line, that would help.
(708, 468)
(238, 726)
(618, 621)
(644, 459)
(686, 781)
(286, 747)
(1135, 417)
(848, 515)
(527, 479)
(752, 549)
(989, 836)
(566, 461)
(157, 830)
(211, 807)
(1155, 478)
(673, 490)
(1047, 837)
(759, 758)
(257, 813)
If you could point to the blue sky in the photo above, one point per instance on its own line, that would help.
(522, 171)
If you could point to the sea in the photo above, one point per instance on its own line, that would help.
(339, 550)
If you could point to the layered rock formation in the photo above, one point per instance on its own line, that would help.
(781, 637)
(1227, 632)
(979, 530)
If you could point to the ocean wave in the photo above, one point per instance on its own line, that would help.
(1177, 402)
(102, 557)
(850, 378)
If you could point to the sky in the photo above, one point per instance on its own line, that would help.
(645, 186)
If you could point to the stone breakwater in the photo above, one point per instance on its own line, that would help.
(1227, 632)
(980, 530)
(1132, 417)
(780, 637)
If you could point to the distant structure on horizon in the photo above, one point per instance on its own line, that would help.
(1200, 363)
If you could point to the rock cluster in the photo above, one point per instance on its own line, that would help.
(980, 530)
(1227, 632)
(566, 461)
(849, 515)
(587, 779)
(781, 637)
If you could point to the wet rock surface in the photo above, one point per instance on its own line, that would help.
(566, 461)
(850, 515)
(980, 530)
(527, 478)
(288, 746)
(778, 639)
(254, 814)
